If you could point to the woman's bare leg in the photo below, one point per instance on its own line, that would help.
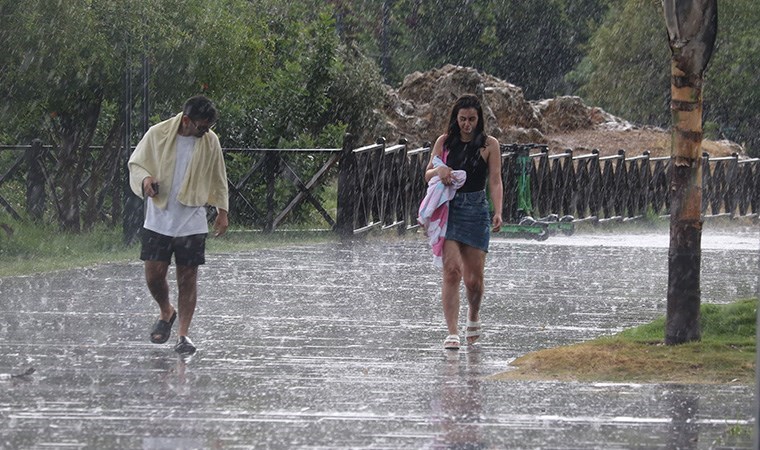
(473, 265)
(452, 276)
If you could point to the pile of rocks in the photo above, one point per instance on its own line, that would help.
(419, 110)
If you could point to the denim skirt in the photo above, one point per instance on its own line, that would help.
(469, 220)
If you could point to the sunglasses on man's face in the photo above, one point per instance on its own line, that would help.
(203, 128)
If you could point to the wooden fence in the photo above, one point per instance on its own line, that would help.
(380, 186)
(36, 170)
(265, 186)
(591, 187)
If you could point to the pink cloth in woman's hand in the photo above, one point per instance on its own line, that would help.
(434, 209)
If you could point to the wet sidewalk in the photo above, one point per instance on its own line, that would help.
(340, 346)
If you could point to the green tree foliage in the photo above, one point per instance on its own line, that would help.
(275, 68)
(58, 71)
(531, 44)
(732, 86)
(42, 64)
(626, 69)
(219, 48)
(289, 73)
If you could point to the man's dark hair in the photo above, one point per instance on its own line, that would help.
(200, 107)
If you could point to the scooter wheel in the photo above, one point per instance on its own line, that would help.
(542, 236)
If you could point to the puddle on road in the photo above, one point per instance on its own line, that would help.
(340, 347)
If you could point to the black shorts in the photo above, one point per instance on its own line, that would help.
(187, 250)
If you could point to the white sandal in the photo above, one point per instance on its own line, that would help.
(476, 333)
(451, 342)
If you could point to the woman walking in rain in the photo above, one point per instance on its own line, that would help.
(466, 147)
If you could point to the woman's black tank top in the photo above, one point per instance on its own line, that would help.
(463, 156)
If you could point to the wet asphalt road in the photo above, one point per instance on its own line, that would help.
(340, 346)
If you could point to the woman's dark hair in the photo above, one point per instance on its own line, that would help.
(200, 108)
(454, 133)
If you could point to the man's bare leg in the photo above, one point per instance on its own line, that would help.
(187, 284)
(155, 277)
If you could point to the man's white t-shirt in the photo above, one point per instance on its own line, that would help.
(177, 219)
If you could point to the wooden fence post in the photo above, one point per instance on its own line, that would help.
(633, 188)
(621, 185)
(133, 211)
(402, 188)
(271, 168)
(646, 184)
(732, 185)
(754, 186)
(567, 191)
(377, 190)
(595, 185)
(416, 187)
(346, 187)
(746, 191)
(543, 178)
(708, 184)
(508, 180)
(35, 182)
(133, 207)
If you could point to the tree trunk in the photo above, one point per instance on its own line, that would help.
(692, 26)
(102, 174)
(346, 188)
(66, 178)
(35, 182)
(74, 131)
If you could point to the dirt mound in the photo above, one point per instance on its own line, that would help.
(634, 141)
(418, 112)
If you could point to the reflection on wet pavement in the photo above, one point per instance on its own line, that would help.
(339, 346)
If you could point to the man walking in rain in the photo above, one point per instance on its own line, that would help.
(178, 167)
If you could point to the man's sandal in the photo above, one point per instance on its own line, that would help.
(162, 330)
(451, 342)
(184, 346)
(472, 335)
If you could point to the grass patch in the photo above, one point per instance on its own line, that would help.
(32, 249)
(652, 223)
(246, 240)
(39, 248)
(726, 353)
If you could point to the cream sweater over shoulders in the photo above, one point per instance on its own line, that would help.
(155, 155)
